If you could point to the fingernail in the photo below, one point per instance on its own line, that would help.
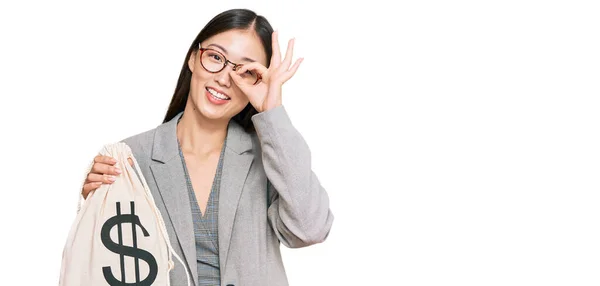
(112, 178)
(118, 170)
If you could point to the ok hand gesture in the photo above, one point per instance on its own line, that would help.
(267, 93)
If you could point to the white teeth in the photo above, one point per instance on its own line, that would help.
(217, 94)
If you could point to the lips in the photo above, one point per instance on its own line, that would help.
(216, 97)
(217, 94)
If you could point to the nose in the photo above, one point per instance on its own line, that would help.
(223, 77)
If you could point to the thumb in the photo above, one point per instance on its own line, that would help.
(244, 87)
(237, 79)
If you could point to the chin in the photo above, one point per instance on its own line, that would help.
(212, 113)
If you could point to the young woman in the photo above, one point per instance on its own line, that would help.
(229, 172)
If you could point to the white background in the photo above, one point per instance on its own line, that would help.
(458, 140)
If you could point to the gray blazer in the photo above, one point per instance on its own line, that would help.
(269, 195)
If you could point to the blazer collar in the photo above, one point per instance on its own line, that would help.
(169, 176)
(166, 147)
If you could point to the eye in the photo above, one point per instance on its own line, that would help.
(214, 56)
(248, 73)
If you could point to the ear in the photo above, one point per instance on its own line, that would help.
(192, 60)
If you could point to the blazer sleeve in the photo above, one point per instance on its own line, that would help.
(299, 210)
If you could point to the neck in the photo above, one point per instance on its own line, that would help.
(200, 136)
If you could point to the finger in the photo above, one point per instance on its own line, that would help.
(285, 65)
(255, 66)
(237, 79)
(105, 160)
(94, 178)
(276, 55)
(104, 169)
(290, 73)
(244, 86)
(130, 161)
(87, 188)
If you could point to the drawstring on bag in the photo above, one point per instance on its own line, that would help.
(161, 224)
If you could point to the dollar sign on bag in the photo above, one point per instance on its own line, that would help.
(124, 250)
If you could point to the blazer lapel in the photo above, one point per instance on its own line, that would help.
(169, 176)
(236, 164)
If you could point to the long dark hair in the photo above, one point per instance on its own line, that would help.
(242, 19)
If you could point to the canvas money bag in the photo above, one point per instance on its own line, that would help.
(118, 236)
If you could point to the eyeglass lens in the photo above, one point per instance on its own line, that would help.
(214, 61)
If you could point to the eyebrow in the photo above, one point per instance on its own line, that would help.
(224, 50)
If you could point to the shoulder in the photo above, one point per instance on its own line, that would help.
(140, 143)
(255, 141)
(145, 144)
(240, 140)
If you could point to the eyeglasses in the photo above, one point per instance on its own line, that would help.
(214, 61)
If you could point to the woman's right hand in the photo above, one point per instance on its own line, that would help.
(103, 171)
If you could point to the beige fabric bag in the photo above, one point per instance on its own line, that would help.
(119, 236)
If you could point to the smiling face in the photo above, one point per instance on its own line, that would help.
(215, 95)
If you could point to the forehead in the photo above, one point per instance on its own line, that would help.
(238, 44)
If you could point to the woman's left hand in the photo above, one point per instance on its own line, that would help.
(267, 93)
